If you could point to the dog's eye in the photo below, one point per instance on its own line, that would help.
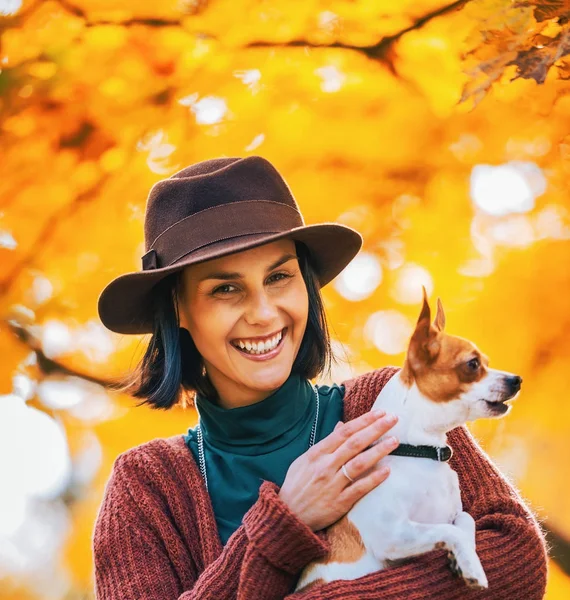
(473, 364)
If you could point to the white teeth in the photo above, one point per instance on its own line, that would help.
(260, 347)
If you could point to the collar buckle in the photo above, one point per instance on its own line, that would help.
(444, 454)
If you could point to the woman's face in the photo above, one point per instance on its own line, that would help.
(250, 297)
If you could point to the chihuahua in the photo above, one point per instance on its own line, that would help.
(445, 382)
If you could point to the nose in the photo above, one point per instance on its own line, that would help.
(514, 383)
(261, 309)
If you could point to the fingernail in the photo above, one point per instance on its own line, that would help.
(392, 441)
(379, 413)
(392, 418)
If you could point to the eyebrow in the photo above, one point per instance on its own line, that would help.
(225, 275)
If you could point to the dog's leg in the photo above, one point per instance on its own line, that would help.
(466, 523)
(410, 538)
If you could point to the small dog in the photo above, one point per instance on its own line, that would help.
(445, 382)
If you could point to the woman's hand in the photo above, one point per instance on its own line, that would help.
(316, 489)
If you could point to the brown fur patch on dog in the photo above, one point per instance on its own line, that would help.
(438, 363)
(345, 543)
(346, 546)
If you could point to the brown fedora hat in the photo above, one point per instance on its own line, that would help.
(210, 209)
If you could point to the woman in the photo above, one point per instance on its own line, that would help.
(230, 289)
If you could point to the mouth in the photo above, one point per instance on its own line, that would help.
(257, 355)
(498, 408)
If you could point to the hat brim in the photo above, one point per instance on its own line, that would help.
(125, 304)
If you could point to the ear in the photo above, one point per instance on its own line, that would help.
(425, 312)
(424, 345)
(440, 316)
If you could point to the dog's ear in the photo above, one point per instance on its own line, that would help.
(424, 344)
(440, 316)
(425, 312)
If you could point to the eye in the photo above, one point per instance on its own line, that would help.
(281, 276)
(473, 364)
(225, 289)
(222, 289)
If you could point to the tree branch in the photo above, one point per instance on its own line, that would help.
(380, 50)
(47, 365)
(148, 22)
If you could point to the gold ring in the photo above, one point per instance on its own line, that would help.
(343, 469)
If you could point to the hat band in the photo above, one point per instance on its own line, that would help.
(221, 222)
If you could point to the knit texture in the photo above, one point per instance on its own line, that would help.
(155, 536)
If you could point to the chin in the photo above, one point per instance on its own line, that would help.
(271, 380)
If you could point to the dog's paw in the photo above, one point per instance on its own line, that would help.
(475, 584)
(472, 574)
(474, 577)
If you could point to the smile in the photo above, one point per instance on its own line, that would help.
(261, 349)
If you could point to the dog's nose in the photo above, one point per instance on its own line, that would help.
(514, 383)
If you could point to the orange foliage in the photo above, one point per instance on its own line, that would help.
(379, 115)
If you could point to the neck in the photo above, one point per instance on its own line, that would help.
(417, 423)
(231, 394)
(263, 422)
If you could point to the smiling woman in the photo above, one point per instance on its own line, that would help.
(196, 341)
(239, 505)
(268, 302)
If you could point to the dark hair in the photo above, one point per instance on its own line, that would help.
(172, 363)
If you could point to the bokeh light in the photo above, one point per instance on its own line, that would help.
(360, 278)
(509, 188)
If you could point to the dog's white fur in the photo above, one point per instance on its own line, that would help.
(418, 507)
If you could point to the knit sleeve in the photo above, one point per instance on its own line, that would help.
(140, 555)
(509, 543)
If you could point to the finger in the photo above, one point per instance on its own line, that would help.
(352, 493)
(362, 438)
(364, 461)
(339, 424)
(345, 430)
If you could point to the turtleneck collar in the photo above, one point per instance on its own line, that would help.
(264, 423)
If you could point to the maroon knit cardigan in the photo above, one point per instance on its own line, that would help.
(155, 536)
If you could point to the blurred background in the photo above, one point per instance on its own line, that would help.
(441, 131)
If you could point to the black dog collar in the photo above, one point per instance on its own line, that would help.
(441, 454)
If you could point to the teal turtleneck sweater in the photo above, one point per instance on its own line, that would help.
(248, 444)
